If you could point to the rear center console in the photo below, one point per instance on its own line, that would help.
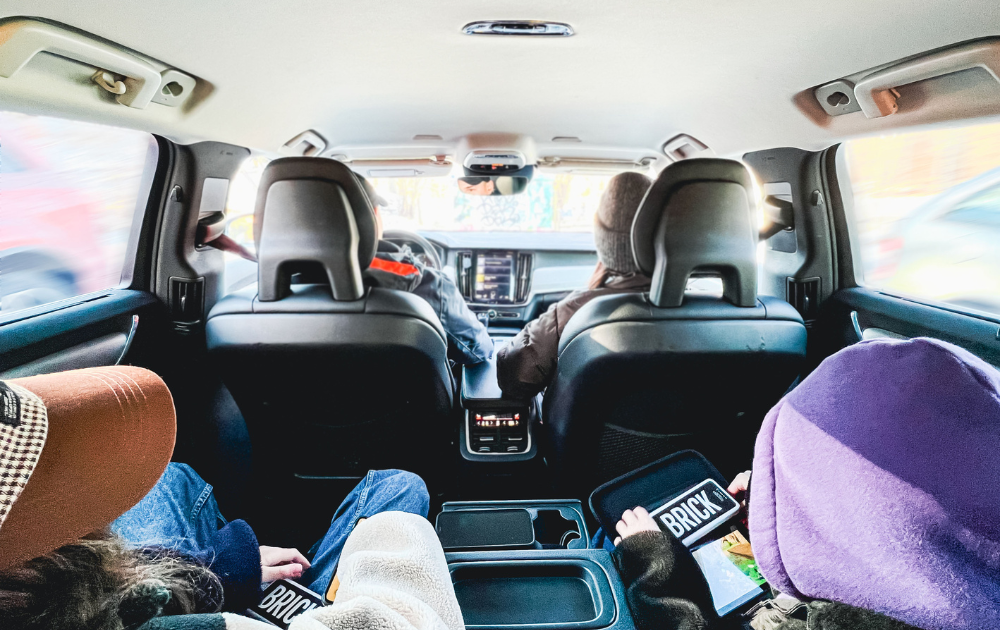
(520, 565)
(526, 565)
(493, 426)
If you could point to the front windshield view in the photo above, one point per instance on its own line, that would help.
(550, 203)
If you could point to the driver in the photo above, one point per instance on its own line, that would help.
(395, 268)
(480, 186)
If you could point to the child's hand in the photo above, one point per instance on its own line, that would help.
(633, 522)
(739, 485)
(277, 563)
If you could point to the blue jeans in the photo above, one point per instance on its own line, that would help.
(180, 512)
(601, 541)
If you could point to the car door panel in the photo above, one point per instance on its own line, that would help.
(90, 333)
(883, 315)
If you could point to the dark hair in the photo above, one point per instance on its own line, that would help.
(100, 583)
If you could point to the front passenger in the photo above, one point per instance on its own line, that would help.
(526, 365)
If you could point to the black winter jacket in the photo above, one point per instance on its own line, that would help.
(667, 591)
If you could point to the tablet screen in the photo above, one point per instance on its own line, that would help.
(731, 571)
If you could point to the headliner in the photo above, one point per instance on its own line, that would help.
(636, 74)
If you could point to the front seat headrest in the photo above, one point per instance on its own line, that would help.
(312, 212)
(697, 220)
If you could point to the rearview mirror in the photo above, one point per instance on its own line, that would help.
(488, 185)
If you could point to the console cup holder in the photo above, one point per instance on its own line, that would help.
(512, 525)
(552, 529)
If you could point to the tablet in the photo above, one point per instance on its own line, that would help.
(731, 571)
(696, 512)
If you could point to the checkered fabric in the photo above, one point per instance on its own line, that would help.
(20, 447)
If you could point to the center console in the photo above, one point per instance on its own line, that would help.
(520, 565)
(493, 426)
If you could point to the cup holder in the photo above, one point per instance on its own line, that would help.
(553, 530)
(542, 524)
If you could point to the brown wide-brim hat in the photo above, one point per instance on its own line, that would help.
(87, 446)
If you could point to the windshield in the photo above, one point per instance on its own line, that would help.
(551, 203)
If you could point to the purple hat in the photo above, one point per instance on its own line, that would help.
(876, 483)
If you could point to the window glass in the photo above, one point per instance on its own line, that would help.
(240, 272)
(927, 214)
(552, 203)
(68, 196)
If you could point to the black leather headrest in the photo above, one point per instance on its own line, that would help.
(312, 212)
(697, 219)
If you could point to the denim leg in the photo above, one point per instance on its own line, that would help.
(180, 512)
(601, 541)
(380, 491)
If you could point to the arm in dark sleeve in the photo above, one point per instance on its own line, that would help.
(665, 588)
(235, 559)
(527, 364)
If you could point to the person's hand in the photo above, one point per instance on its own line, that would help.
(738, 488)
(633, 522)
(739, 485)
(277, 563)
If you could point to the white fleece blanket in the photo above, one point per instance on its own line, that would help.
(393, 576)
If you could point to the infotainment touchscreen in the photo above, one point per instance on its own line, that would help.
(495, 277)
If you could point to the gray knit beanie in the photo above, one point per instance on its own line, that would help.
(613, 221)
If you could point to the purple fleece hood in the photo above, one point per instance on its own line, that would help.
(876, 483)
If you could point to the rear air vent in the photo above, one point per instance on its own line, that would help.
(465, 273)
(804, 296)
(187, 302)
(523, 276)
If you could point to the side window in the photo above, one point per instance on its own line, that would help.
(69, 192)
(240, 273)
(926, 214)
(983, 208)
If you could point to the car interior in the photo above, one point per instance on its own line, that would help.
(180, 189)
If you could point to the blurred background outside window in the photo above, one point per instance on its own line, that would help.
(927, 214)
(68, 197)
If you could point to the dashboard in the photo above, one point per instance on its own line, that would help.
(510, 278)
(496, 278)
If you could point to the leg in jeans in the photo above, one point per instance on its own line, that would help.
(179, 513)
(379, 491)
(601, 541)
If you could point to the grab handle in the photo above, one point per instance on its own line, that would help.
(874, 93)
(21, 40)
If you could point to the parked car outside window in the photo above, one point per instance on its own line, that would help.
(927, 214)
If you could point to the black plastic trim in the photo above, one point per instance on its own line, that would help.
(30, 338)
(979, 334)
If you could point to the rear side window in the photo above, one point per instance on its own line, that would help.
(69, 193)
(926, 214)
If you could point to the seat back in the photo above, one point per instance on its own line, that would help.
(641, 376)
(332, 378)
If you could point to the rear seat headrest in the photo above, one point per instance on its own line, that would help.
(312, 212)
(697, 219)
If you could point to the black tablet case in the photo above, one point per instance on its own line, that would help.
(651, 486)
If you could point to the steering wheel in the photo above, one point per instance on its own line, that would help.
(418, 244)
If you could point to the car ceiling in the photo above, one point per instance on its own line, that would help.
(634, 75)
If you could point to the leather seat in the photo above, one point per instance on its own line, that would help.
(643, 375)
(333, 378)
